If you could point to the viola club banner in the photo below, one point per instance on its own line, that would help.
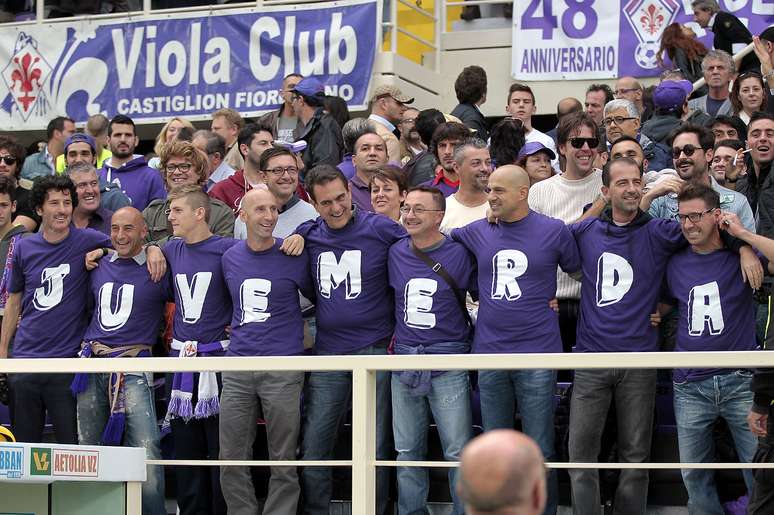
(604, 39)
(185, 64)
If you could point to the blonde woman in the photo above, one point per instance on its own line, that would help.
(167, 134)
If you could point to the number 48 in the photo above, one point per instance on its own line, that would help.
(548, 22)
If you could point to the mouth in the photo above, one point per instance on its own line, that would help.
(763, 148)
(685, 165)
(584, 158)
(177, 179)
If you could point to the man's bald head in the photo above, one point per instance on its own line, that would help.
(256, 195)
(508, 192)
(259, 212)
(568, 105)
(514, 175)
(502, 472)
(128, 232)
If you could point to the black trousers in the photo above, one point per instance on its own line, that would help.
(32, 396)
(762, 498)
(568, 322)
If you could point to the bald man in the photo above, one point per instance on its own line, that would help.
(502, 473)
(564, 107)
(630, 89)
(517, 261)
(264, 284)
(127, 317)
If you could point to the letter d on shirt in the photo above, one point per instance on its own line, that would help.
(614, 278)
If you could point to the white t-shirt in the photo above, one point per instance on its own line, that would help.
(548, 142)
(457, 215)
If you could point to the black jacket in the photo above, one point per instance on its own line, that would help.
(324, 144)
(472, 117)
(759, 191)
(728, 30)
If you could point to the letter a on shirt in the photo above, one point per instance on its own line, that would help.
(332, 273)
(50, 293)
(110, 319)
(419, 303)
(192, 297)
(254, 297)
(614, 278)
(507, 265)
(705, 309)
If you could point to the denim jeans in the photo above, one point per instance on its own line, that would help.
(697, 405)
(142, 428)
(448, 403)
(533, 392)
(326, 401)
(634, 392)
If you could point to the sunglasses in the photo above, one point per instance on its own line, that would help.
(688, 150)
(579, 142)
(9, 160)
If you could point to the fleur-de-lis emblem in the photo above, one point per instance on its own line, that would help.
(29, 76)
(652, 19)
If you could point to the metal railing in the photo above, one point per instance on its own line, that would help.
(364, 368)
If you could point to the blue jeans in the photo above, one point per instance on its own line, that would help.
(326, 401)
(448, 402)
(533, 391)
(697, 405)
(142, 429)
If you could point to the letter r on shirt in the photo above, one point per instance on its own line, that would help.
(507, 265)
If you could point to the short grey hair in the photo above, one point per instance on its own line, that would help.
(718, 55)
(459, 150)
(622, 103)
(355, 128)
(82, 168)
(706, 5)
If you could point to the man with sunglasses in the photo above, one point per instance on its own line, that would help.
(692, 154)
(716, 314)
(564, 196)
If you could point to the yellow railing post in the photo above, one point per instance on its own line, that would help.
(363, 441)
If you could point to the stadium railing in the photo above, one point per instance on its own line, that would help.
(364, 368)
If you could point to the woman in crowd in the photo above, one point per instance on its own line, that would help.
(536, 159)
(680, 45)
(167, 134)
(388, 191)
(748, 95)
(12, 156)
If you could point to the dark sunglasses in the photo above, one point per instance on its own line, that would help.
(688, 150)
(578, 142)
(9, 160)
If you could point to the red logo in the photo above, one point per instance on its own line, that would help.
(25, 76)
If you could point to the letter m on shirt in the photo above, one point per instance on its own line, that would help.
(332, 273)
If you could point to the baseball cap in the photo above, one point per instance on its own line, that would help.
(671, 94)
(532, 148)
(391, 91)
(310, 87)
(80, 137)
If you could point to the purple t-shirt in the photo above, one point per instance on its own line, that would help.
(349, 269)
(128, 305)
(264, 290)
(137, 180)
(426, 308)
(623, 268)
(517, 279)
(361, 194)
(202, 302)
(717, 312)
(55, 293)
(442, 185)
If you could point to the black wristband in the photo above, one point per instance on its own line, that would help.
(105, 252)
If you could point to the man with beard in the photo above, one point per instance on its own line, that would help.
(691, 154)
(81, 148)
(253, 140)
(370, 154)
(445, 138)
(469, 203)
(410, 142)
(131, 173)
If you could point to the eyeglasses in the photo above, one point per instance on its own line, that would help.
(693, 217)
(618, 120)
(579, 142)
(624, 91)
(688, 150)
(408, 120)
(418, 210)
(183, 167)
(280, 171)
(9, 160)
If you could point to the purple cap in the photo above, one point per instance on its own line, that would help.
(533, 147)
(671, 94)
(80, 137)
(310, 87)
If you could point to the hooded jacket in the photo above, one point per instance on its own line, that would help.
(231, 190)
(137, 180)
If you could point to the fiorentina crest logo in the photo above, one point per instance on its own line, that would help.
(25, 76)
(648, 19)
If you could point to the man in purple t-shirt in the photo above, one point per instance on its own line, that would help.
(266, 321)
(369, 154)
(717, 313)
(348, 251)
(118, 408)
(49, 288)
(430, 318)
(517, 263)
